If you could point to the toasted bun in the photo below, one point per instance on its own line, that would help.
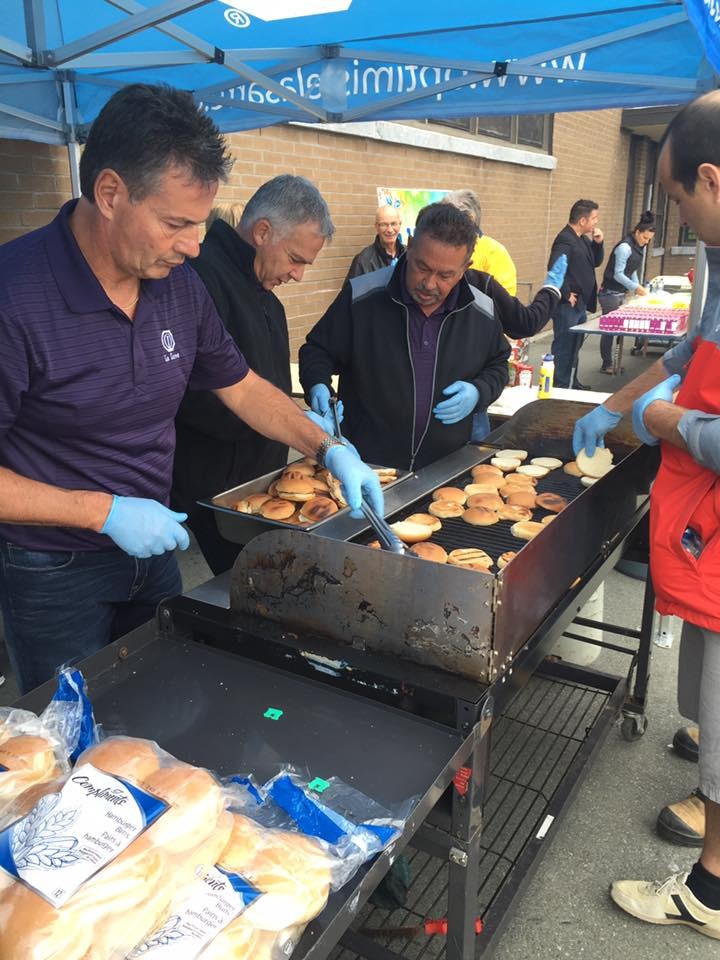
(484, 472)
(506, 464)
(522, 498)
(126, 757)
(473, 488)
(319, 486)
(453, 494)
(597, 465)
(252, 503)
(299, 469)
(386, 474)
(430, 551)
(515, 511)
(548, 518)
(505, 558)
(480, 517)
(375, 545)
(294, 488)
(551, 501)
(317, 509)
(552, 463)
(446, 509)
(522, 478)
(431, 521)
(573, 469)
(491, 501)
(411, 532)
(470, 557)
(530, 470)
(277, 509)
(526, 529)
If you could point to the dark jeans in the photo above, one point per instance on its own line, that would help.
(566, 345)
(608, 301)
(60, 607)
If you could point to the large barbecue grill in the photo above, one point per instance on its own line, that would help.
(399, 673)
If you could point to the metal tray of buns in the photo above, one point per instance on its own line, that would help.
(243, 527)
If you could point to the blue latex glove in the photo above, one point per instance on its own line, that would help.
(463, 398)
(326, 423)
(320, 400)
(590, 430)
(556, 274)
(662, 391)
(356, 478)
(145, 528)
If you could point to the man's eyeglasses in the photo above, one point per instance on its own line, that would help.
(392, 223)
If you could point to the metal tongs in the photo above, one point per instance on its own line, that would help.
(388, 540)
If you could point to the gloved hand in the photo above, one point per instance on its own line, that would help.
(145, 528)
(556, 274)
(463, 398)
(356, 478)
(661, 391)
(590, 430)
(320, 400)
(326, 423)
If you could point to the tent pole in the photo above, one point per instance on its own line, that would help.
(73, 150)
(699, 287)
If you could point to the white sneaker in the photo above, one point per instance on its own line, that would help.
(2, 679)
(668, 902)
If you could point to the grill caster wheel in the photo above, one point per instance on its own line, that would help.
(633, 726)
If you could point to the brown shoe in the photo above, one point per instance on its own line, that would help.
(686, 743)
(683, 822)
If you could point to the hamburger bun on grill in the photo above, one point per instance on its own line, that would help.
(480, 517)
(375, 545)
(548, 518)
(600, 463)
(275, 509)
(521, 498)
(431, 521)
(472, 488)
(470, 557)
(505, 558)
(429, 551)
(512, 454)
(294, 488)
(317, 509)
(526, 529)
(588, 481)
(530, 470)
(491, 501)
(506, 464)
(551, 501)
(573, 469)
(483, 473)
(410, 532)
(446, 509)
(514, 512)
(552, 463)
(453, 494)
(386, 474)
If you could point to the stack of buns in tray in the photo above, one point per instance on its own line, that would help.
(303, 494)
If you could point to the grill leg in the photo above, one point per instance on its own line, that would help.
(635, 721)
(464, 857)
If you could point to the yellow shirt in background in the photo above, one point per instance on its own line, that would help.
(492, 257)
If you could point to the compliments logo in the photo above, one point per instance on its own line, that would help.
(168, 340)
(241, 11)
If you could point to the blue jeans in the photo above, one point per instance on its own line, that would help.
(566, 345)
(60, 607)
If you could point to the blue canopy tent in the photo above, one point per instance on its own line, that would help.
(257, 62)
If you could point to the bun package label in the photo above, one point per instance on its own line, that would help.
(69, 836)
(212, 902)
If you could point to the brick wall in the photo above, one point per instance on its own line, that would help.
(522, 206)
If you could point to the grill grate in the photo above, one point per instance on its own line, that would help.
(496, 539)
(534, 743)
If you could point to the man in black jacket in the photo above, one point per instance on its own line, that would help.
(582, 241)
(282, 229)
(387, 247)
(418, 349)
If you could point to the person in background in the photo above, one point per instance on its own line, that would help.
(282, 228)
(92, 373)
(387, 247)
(416, 347)
(676, 403)
(582, 242)
(620, 278)
(489, 255)
(229, 212)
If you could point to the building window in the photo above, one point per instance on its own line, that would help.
(687, 237)
(533, 130)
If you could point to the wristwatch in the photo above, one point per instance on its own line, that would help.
(325, 445)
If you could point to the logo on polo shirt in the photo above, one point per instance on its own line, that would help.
(168, 342)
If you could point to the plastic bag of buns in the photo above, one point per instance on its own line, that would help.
(89, 870)
(38, 750)
(351, 827)
(254, 901)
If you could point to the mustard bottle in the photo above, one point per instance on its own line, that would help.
(547, 372)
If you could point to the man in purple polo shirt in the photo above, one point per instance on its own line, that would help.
(103, 329)
(418, 349)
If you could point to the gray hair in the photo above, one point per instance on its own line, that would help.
(467, 201)
(287, 202)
